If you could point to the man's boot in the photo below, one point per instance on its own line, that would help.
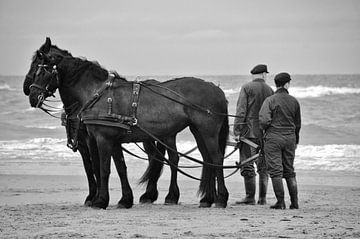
(279, 193)
(293, 192)
(263, 183)
(250, 187)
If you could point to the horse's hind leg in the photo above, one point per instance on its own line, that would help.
(174, 193)
(207, 189)
(152, 173)
(217, 157)
(127, 199)
(222, 195)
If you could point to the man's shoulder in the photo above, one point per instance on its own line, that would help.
(294, 100)
(256, 84)
(287, 96)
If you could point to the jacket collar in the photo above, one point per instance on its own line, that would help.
(282, 90)
(258, 80)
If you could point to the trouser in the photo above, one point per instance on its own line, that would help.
(279, 155)
(246, 151)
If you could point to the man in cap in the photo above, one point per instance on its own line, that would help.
(246, 124)
(280, 118)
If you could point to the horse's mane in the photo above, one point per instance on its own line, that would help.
(64, 52)
(77, 66)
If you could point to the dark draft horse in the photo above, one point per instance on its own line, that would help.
(162, 112)
(84, 146)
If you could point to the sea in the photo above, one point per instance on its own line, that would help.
(32, 142)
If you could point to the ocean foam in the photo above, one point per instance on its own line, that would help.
(309, 92)
(54, 151)
(6, 87)
(44, 126)
(318, 91)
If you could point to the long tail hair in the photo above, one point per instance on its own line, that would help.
(155, 166)
(224, 135)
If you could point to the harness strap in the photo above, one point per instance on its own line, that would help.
(97, 95)
(135, 99)
(115, 120)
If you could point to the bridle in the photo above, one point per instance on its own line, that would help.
(51, 76)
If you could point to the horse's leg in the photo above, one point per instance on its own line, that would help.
(85, 154)
(216, 151)
(127, 199)
(174, 193)
(105, 148)
(207, 189)
(152, 173)
(222, 194)
(95, 161)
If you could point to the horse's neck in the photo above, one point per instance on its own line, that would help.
(80, 91)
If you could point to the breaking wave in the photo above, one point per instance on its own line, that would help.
(310, 92)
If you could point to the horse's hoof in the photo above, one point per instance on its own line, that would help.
(124, 205)
(99, 205)
(204, 204)
(220, 205)
(145, 201)
(88, 203)
(170, 202)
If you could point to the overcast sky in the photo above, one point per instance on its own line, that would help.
(187, 37)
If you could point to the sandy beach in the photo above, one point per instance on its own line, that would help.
(52, 207)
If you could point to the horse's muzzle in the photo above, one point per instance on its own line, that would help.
(36, 102)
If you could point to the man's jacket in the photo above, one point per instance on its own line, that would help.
(280, 115)
(251, 97)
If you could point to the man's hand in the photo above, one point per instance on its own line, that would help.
(237, 138)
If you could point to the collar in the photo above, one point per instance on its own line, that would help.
(282, 90)
(258, 80)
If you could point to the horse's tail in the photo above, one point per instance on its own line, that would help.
(207, 183)
(224, 135)
(154, 169)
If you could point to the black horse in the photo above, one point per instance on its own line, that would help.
(83, 143)
(161, 112)
(155, 151)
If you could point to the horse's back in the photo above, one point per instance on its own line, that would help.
(199, 92)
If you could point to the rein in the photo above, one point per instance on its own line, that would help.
(189, 103)
(239, 165)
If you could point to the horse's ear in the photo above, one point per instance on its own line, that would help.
(39, 54)
(46, 47)
(46, 58)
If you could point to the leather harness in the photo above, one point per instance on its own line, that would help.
(87, 116)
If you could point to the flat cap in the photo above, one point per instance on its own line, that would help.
(282, 78)
(259, 69)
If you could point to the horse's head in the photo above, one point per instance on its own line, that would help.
(42, 78)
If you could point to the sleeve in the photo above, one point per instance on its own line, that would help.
(265, 115)
(297, 123)
(241, 111)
